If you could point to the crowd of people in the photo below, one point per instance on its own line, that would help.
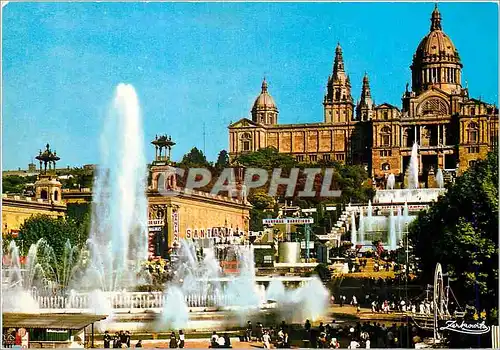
(119, 340)
(390, 304)
(366, 335)
(277, 336)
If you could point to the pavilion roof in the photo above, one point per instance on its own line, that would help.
(49, 320)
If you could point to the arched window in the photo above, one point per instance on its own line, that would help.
(386, 166)
(385, 136)
(246, 142)
(43, 194)
(56, 196)
(337, 94)
(433, 106)
(171, 182)
(473, 132)
(161, 183)
(408, 137)
(386, 115)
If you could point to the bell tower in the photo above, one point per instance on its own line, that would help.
(338, 102)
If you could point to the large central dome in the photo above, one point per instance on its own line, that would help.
(437, 46)
(436, 61)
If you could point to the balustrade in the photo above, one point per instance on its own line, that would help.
(128, 300)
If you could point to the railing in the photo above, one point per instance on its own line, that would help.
(125, 300)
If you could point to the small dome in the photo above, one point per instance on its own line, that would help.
(264, 100)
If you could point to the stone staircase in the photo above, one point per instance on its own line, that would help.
(342, 224)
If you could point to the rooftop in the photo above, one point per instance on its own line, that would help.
(51, 321)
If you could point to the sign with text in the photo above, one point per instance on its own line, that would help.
(303, 245)
(175, 227)
(212, 233)
(466, 327)
(292, 221)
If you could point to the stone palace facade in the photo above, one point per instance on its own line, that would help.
(452, 129)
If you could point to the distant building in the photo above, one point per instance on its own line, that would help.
(194, 215)
(452, 129)
(47, 198)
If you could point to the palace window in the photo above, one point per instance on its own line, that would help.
(472, 111)
(408, 137)
(386, 166)
(313, 158)
(385, 136)
(473, 133)
(246, 142)
(326, 157)
(386, 153)
(339, 157)
(494, 138)
(433, 106)
(473, 149)
(472, 162)
(300, 158)
(43, 194)
(386, 115)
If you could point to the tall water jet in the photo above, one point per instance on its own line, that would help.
(391, 181)
(406, 211)
(413, 168)
(440, 178)
(392, 231)
(399, 221)
(369, 216)
(354, 236)
(118, 237)
(276, 291)
(361, 229)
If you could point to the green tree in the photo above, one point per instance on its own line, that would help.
(261, 200)
(194, 159)
(222, 160)
(461, 232)
(266, 158)
(55, 231)
(14, 184)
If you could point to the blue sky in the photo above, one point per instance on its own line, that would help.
(195, 63)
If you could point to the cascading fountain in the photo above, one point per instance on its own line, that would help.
(392, 231)
(440, 178)
(354, 236)
(413, 170)
(100, 279)
(399, 227)
(361, 229)
(391, 181)
(369, 217)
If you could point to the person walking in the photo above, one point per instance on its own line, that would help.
(173, 341)
(107, 340)
(181, 338)
(127, 338)
(266, 338)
